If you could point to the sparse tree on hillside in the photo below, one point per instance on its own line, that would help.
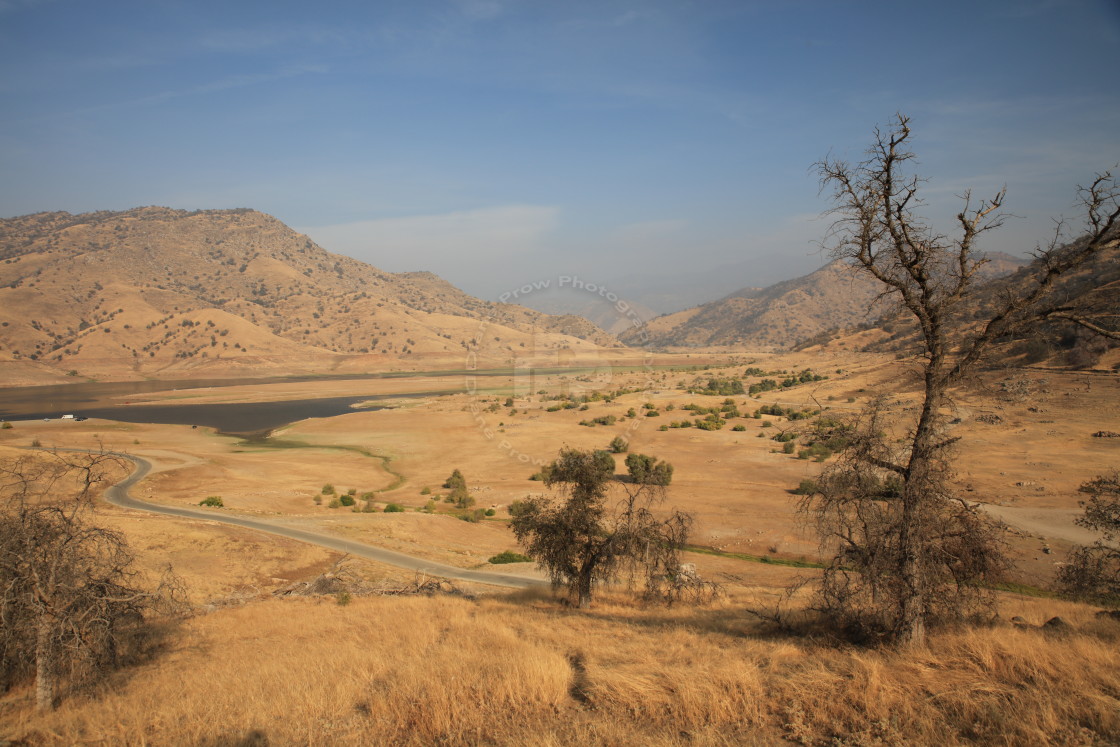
(582, 539)
(460, 495)
(1093, 572)
(647, 470)
(894, 567)
(71, 599)
(456, 480)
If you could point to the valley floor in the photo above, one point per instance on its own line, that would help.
(521, 669)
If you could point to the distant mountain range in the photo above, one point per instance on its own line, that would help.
(783, 315)
(160, 291)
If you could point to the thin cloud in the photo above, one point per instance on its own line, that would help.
(640, 233)
(428, 242)
(9, 6)
(202, 89)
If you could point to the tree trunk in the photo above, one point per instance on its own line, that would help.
(583, 586)
(910, 628)
(46, 664)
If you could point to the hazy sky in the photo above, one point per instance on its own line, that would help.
(496, 142)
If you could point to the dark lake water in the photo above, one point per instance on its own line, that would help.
(102, 401)
(107, 400)
(237, 417)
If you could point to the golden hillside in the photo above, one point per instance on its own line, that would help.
(156, 291)
(783, 315)
(773, 318)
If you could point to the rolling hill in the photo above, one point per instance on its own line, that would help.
(160, 292)
(784, 315)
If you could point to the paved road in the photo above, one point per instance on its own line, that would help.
(118, 496)
(1052, 523)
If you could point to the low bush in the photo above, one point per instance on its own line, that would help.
(472, 516)
(394, 508)
(806, 487)
(214, 501)
(509, 556)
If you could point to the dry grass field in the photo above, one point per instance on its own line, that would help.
(500, 668)
(519, 670)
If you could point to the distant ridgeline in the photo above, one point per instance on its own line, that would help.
(786, 315)
(155, 289)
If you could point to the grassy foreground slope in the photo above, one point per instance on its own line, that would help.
(521, 670)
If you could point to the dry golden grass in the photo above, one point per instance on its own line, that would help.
(522, 670)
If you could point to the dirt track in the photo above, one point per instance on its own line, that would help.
(118, 496)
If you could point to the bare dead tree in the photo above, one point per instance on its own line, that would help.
(858, 510)
(878, 230)
(584, 538)
(71, 598)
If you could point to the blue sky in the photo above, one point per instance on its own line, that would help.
(497, 142)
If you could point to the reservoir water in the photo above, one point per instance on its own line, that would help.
(104, 401)
(109, 400)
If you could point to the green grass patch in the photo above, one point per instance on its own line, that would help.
(1024, 589)
(287, 443)
(768, 559)
(509, 556)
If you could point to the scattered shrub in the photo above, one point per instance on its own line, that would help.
(509, 556)
(346, 500)
(214, 501)
(455, 480)
(394, 508)
(472, 516)
(806, 487)
(647, 470)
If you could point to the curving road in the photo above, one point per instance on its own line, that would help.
(118, 496)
